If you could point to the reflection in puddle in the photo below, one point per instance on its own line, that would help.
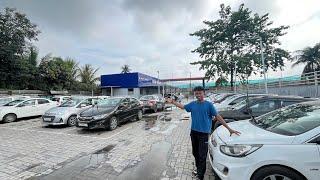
(105, 149)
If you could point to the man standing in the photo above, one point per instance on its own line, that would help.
(202, 114)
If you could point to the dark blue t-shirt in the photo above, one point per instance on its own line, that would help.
(201, 114)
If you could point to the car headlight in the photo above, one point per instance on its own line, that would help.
(102, 116)
(239, 150)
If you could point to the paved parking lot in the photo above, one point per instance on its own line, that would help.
(140, 150)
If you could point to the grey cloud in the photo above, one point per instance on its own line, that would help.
(161, 20)
(263, 7)
(74, 16)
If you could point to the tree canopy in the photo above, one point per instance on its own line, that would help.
(232, 43)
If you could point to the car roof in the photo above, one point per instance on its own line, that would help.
(280, 97)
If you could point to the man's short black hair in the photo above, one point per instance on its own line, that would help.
(198, 88)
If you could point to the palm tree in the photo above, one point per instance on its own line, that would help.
(87, 76)
(125, 69)
(309, 56)
(73, 66)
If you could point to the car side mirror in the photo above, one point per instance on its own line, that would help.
(247, 111)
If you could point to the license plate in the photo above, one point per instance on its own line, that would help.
(47, 119)
(83, 124)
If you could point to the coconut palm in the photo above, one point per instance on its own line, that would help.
(87, 76)
(73, 67)
(125, 69)
(310, 56)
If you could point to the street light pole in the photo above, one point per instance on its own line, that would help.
(264, 67)
(158, 83)
(235, 77)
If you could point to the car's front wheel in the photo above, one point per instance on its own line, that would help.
(9, 118)
(72, 121)
(276, 172)
(113, 123)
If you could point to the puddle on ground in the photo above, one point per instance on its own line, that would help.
(73, 168)
(105, 149)
(152, 166)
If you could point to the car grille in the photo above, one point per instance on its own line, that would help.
(50, 114)
(81, 118)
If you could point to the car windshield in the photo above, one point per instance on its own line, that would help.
(147, 98)
(292, 120)
(13, 103)
(111, 102)
(71, 103)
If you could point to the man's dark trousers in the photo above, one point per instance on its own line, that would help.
(199, 142)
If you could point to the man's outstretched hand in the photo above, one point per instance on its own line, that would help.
(169, 100)
(231, 131)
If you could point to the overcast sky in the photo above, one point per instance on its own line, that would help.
(152, 35)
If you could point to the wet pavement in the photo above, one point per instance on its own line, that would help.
(157, 147)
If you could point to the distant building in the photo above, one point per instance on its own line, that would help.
(133, 84)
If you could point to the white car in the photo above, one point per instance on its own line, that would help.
(67, 112)
(5, 100)
(233, 100)
(60, 99)
(24, 108)
(281, 145)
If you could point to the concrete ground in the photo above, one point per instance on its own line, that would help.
(148, 149)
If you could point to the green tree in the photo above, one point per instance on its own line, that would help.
(27, 72)
(125, 69)
(233, 42)
(57, 73)
(310, 56)
(17, 33)
(221, 81)
(88, 77)
(72, 70)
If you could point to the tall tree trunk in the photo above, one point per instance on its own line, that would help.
(231, 78)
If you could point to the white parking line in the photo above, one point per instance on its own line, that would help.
(59, 133)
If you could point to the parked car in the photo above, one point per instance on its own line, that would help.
(173, 96)
(24, 108)
(60, 99)
(281, 145)
(221, 97)
(152, 102)
(109, 113)
(233, 100)
(67, 112)
(257, 106)
(5, 100)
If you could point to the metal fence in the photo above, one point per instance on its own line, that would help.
(306, 85)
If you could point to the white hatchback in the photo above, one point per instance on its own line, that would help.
(281, 145)
(24, 108)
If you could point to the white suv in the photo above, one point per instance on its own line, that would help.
(281, 145)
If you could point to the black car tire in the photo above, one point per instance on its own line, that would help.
(9, 118)
(277, 172)
(113, 123)
(72, 120)
(162, 108)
